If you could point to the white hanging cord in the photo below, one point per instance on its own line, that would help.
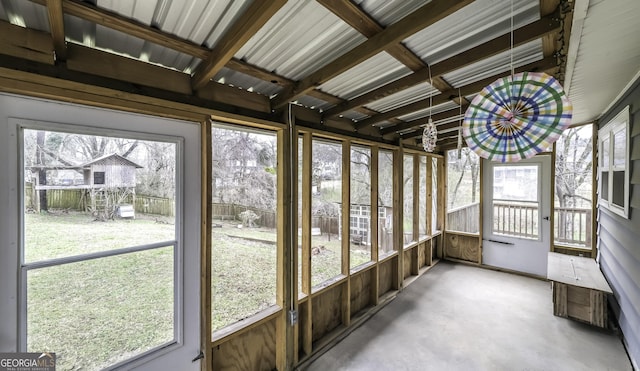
(511, 103)
(431, 93)
(460, 127)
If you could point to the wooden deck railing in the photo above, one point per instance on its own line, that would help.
(572, 226)
(518, 219)
(464, 218)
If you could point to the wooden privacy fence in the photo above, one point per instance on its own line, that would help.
(154, 205)
(78, 199)
(328, 225)
(464, 218)
(266, 218)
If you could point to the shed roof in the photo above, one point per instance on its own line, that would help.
(108, 159)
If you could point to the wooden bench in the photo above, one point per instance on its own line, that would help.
(579, 289)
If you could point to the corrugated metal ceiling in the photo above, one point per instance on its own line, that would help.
(474, 24)
(379, 70)
(522, 55)
(299, 39)
(303, 36)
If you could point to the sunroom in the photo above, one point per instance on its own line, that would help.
(243, 184)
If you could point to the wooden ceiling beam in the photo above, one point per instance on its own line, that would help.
(56, 25)
(153, 35)
(220, 98)
(357, 18)
(499, 44)
(409, 25)
(26, 43)
(131, 27)
(254, 17)
(545, 64)
(353, 15)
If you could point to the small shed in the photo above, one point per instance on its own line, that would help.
(110, 171)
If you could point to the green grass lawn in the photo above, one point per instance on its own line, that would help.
(95, 313)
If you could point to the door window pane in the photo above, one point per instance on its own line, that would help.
(65, 205)
(515, 200)
(515, 183)
(98, 312)
(100, 242)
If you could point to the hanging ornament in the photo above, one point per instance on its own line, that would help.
(430, 133)
(429, 136)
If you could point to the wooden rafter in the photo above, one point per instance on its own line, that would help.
(131, 27)
(414, 22)
(545, 64)
(499, 44)
(153, 35)
(369, 27)
(256, 15)
(359, 20)
(56, 25)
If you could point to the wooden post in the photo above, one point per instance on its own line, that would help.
(429, 201)
(416, 197)
(398, 269)
(594, 190)
(442, 193)
(306, 241)
(205, 246)
(429, 195)
(346, 213)
(481, 210)
(416, 214)
(375, 273)
(285, 292)
(552, 205)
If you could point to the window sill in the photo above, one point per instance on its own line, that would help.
(222, 335)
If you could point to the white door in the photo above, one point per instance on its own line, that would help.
(131, 302)
(516, 234)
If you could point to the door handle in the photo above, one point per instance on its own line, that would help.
(496, 241)
(546, 218)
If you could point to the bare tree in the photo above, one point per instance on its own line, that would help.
(244, 168)
(573, 166)
(42, 172)
(470, 162)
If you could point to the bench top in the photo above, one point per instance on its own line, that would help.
(577, 271)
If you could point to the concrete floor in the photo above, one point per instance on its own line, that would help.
(458, 317)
